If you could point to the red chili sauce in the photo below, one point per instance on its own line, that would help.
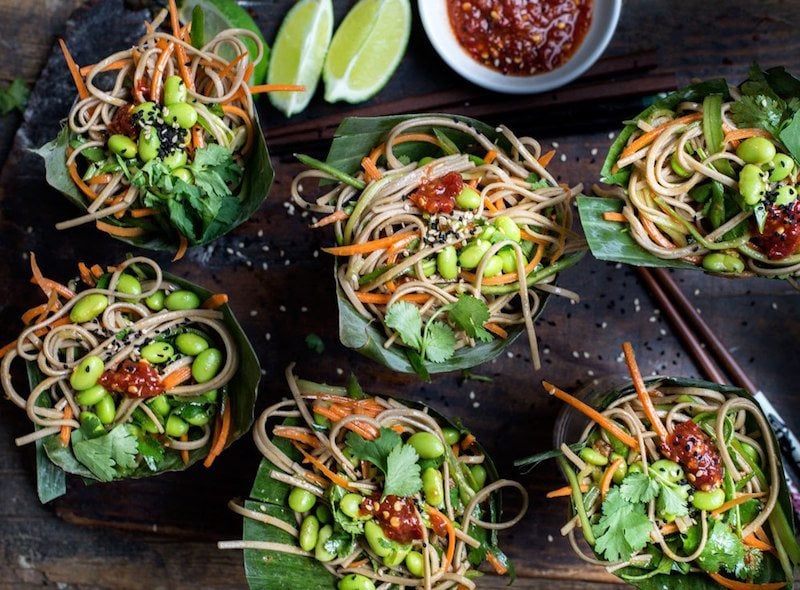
(781, 237)
(396, 516)
(134, 380)
(439, 194)
(690, 447)
(520, 37)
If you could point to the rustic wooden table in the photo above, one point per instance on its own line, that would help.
(160, 533)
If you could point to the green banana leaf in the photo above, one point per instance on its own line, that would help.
(698, 581)
(268, 570)
(353, 140)
(253, 191)
(53, 460)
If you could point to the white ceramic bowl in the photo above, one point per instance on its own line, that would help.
(437, 26)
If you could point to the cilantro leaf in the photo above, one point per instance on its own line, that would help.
(14, 96)
(637, 487)
(403, 472)
(101, 455)
(213, 169)
(724, 549)
(440, 342)
(375, 451)
(404, 318)
(470, 313)
(347, 524)
(623, 529)
(790, 135)
(340, 544)
(758, 111)
(673, 502)
(151, 451)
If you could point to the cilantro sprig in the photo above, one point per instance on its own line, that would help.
(396, 460)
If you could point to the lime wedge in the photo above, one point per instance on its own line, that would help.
(219, 15)
(366, 49)
(299, 52)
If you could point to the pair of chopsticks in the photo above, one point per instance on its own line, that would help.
(717, 363)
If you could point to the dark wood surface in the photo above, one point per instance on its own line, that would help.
(160, 532)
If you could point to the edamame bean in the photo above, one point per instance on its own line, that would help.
(429, 267)
(160, 405)
(433, 486)
(183, 174)
(183, 114)
(490, 233)
(751, 184)
(424, 161)
(319, 550)
(509, 260)
(756, 150)
(128, 285)
(507, 225)
(471, 255)
(781, 166)
(415, 563)
(477, 160)
(89, 397)
(122, 145)
(157, 352)
(355, 582)
(206, 365)
(323, 514)
(106, 409)
(621, 471)
(145, 421)
(88, 307)
(350, 504)
(86, 373)
(719, 262)
(468, 198)
(190, 343)
(195, 415)
(677, 168)
(593, 457)
(479, 475)
(710, 500)
(175, 159)
(149, 144)
(182, 300)
(156, 301)
(174, 90)
(91, 425)
(377, 539)
(447, 263)
(309, 530)
(301, 500)
(636, 467)
(669, 470)
(148, 112)
(786, 195)
(427, 445)
(451, 435)
(397, 555)
(175, 426)
(494, 266)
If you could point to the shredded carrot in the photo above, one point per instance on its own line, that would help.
(468, 441)
(183, 243)
(76, 178)
(143, 212)
(86, 274)
(48, 285)
(614, 216)
(83, 92)
(370, 169)
(605, 483)
(647, 138)
(359, 563)
(65, 428)
(247, 123)
(545, 159)
(566, 491)
(34, 312)
(262, 88)
(197, 137)
(489, 205)
(668, 529)
(422, 137)
(740, 499)
(752, 541)
(383, 298)
(528, 237)
(114, 65)
(474, 183)
(736, 585)
(332, 218)
(641, 391)
(366, 247)
(216, 301)
(655, 234)
(369, 405)
(490, 156)
(499, 568)
(739, 134)
(592, 414)
(97, 271)
(7, 348)
(220, 433)
(456, 449)
(99, 179)
(335, 413)
(496, 329)
(334, 477)
(123, 232)
(177, 377)
(185, 452)
(297, 434)
(224, 72)
(451, 536)
(158, 73)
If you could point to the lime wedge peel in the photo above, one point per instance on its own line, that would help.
(366, 49)
(298, 53)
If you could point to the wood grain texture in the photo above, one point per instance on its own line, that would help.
(282, 292)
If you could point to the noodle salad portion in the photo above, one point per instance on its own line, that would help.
(162, 146)
(707, 178)
(359, 492)
(450, 235)
(678, 483)
(133, 374)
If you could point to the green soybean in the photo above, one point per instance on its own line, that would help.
(756, 150)
(593, 457)
(468, 198)
(149, 144)
(89, 397)
(479, 475)
(472, 254)
(195, 415)
(191, 344)
(451, 435)
(669, 470)
(309, 531)
(415, 563)
(91, 425)
(86, 373)
(429, 266)
(323, 514)
(355, 582)
(175, 159)
(447, 263)
(509, 258)
(88, 307)
(182, 300)
(781, 167)
(719, 262)
(621, 471)
(106, 409)
(160, 405)
(320, 553)
(157, 352)
(128, 285)
(751, 184)
(350, 504)
(494, 266)
(122, 145)
(396, 556)
(433, 486)
(301, 500)
(710, 500)
(183, 174)
(175, 426)
(427, 445)
(636, 467)
(145, 421)
(147, 109)
(206, 365)
(786, 194)
(424, 161)
(174, 90)
(156, 301)
(377, 539)
(181, 113)
(507, 225)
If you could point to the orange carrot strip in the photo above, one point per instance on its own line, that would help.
(183, 243)
(422, 137)
(496, 330)
(490, 156)
(216, 301)
(48, 285)
(668, 529)
(7, 348)
(158, 73)
(592, 414)
(739, 134)
(489, 205)
(221, 434)
(185, 452)
(370, 169)
(655, 234)
(296, 434)
(334, 477)
(614, 216)
(647, 138)
(231, 64)
(605, 483)
(83, 92)
(97, 271)
(528, 237)
(451, 536)
(114, 65)
(173, 18)
(641, 391)
(143, 212)
(99, 179)
(566, 491)
(383, 298)
(247, 123)
(545, 159)
(65, 428)
(76, 178)
(366, 247)
(262, 88)
(499, 568)
(34, 312)
(332, 218)
(86, 277)
(736, 585)
(359, 563)
(197, 137)
(177, 377)
(752, 541)
(468, 441)
(115, 230)
(732, 503)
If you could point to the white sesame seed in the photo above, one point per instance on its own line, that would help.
(253, 313)
(264, 265)
(652, 319)
(510, 355)
(476, 404)
(268, 336)
(590, 373)
(697, 292)
(339, 371)
(241, 244)
(586, 355)
(576, 354)
(594, 151)
(563, 157)
(604, 325)
(282, 308)
(261, 233)
(555, 144)
(611, 135)
(229, 250)
(546, 350)
(549, 538)
(315, 254)
(287, 262)
(265, 248)
(774, 305)
(304, 309)
(471, 395)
